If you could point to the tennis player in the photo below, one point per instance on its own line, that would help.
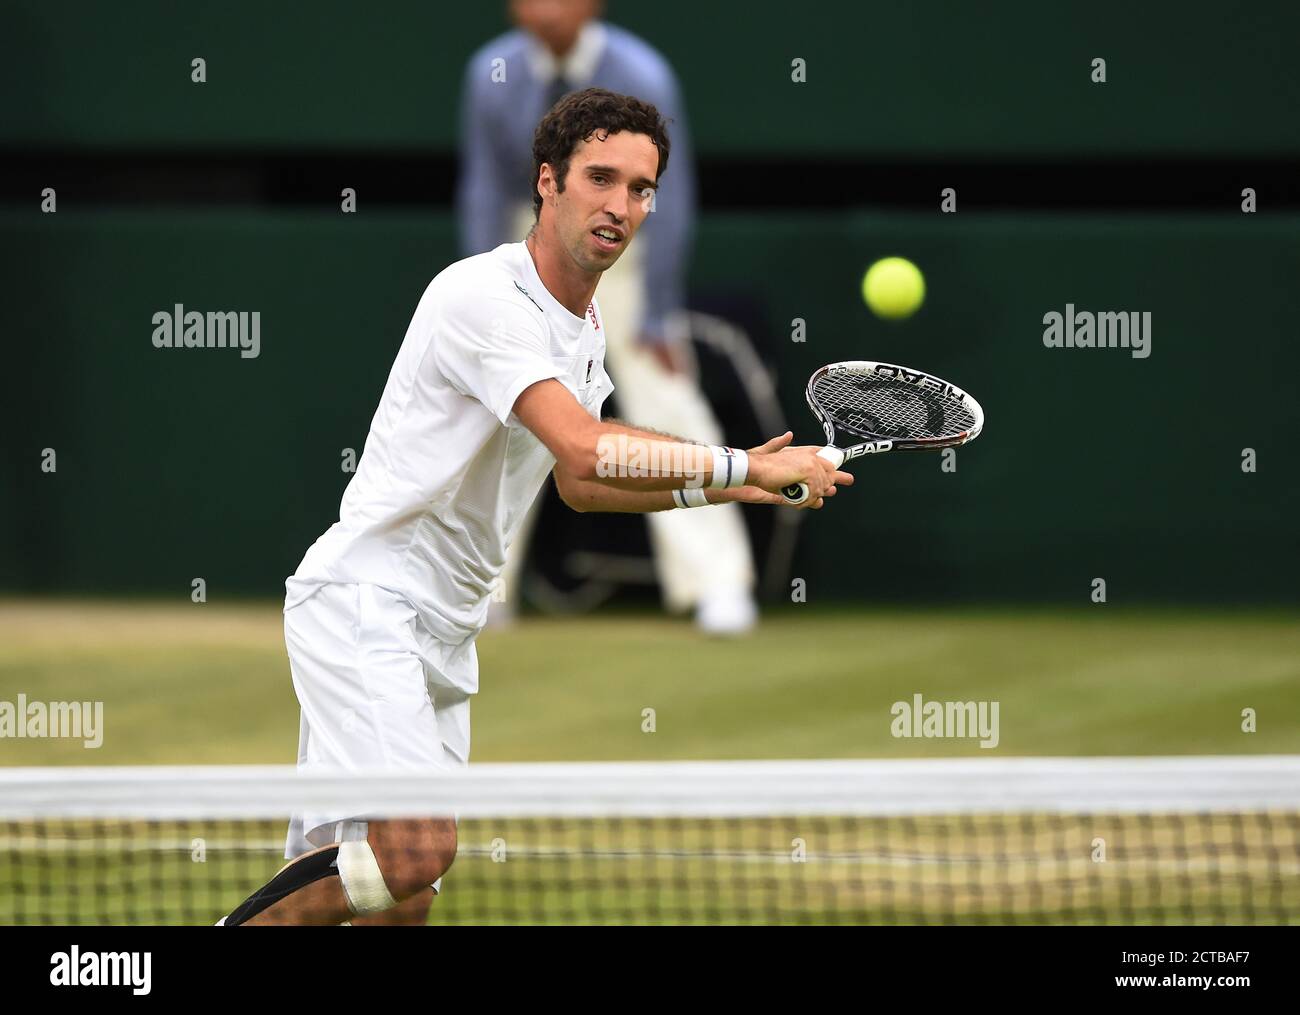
(498, 383)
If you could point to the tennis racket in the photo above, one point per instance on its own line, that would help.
(891, 408)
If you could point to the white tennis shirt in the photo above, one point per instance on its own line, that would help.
(448, 472)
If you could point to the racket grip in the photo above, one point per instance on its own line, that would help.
(797, 493)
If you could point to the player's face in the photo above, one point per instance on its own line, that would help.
(606, 197)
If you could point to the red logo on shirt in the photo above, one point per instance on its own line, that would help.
(591, 312)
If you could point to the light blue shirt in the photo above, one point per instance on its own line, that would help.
(498, 119)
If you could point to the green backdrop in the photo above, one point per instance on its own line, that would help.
(930, 77)
(174, 464)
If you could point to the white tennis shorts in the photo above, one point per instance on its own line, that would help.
(371, 696)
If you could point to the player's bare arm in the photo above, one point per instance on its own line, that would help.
(590, 453)
(584, 495)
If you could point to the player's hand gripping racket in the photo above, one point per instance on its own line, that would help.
(890, 408)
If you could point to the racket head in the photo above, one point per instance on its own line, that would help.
(866, 406)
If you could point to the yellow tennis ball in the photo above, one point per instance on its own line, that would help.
(893, 288)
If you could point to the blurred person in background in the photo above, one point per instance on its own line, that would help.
(702, 558)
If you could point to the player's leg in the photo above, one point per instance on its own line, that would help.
(414, 855)
(360, 679)
(388, 871)
(392, 840)
(306, 890)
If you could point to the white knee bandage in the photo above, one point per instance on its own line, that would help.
(363, 883)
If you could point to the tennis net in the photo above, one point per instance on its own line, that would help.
(1032, 840)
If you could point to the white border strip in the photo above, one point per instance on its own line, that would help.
(667, 789)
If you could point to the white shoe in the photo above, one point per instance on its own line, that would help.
(726, 613)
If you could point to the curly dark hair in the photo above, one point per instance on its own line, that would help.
(578, 116)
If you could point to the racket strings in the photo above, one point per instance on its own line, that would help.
(873, 406)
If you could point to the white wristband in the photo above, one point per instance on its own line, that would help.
(691, 497)
(730, 467)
